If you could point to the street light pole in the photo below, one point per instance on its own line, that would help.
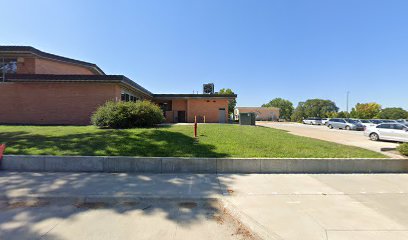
(348, 94)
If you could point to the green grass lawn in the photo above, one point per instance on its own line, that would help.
(171, 141)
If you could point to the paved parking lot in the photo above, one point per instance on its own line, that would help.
(353, 138)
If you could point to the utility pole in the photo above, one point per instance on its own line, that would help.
(348, 94)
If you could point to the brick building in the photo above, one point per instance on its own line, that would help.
(42, 88)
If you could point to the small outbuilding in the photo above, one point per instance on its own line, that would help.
(261, 113)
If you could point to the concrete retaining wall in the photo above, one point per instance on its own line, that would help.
(200, 165)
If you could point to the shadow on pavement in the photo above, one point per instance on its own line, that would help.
(184, 199)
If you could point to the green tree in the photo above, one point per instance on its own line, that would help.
(343, 114)
(285, 107)
(319, 108)
(393, 113)
(231, 103)
(366, 110)
(299, 113)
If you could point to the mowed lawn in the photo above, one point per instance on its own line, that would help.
(215, 140)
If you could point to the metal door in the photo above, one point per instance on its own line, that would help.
(221, 115)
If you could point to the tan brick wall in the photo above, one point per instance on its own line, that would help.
(53, 103)
(179, 105)
(27, 66)
(206, 107)
(44, 66)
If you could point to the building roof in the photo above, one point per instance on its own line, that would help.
(28, 49)
(178, 96)
(75, 78)
(257, 108)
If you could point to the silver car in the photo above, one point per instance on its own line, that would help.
(366, 122)
(312, 121)
(347, 124)
(403, 121)
(388, 131)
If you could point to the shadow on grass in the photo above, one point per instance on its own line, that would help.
(149, 143)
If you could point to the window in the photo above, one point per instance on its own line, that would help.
(384, 126)
(8, 65)
(126, 97)
(398, 126)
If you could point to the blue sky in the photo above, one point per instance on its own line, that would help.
(261, 49)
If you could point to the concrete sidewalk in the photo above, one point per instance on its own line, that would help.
(185, 206)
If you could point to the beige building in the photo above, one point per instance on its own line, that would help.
(262, 113)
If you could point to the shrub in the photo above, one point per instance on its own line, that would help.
(403, 149)
(127, 115)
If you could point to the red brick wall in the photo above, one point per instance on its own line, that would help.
(53, 103)
(44, 66)
(206, 107)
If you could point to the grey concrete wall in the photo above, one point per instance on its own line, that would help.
(200, 165)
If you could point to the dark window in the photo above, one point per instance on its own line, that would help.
(127, 97)
(123, 97)
(398, 126)
(384, 126)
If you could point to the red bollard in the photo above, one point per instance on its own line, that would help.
(195, 126)
(2, 148)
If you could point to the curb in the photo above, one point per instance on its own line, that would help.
(27, 163)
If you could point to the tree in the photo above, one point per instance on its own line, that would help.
(365, 110)
(319, 108)
(393, 113)
(299, 113)
(343, 114)
(314, 108)
(285, 107)
(231, 103)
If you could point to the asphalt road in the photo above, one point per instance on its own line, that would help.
(353, 138)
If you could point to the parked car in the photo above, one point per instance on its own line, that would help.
(325, 120)
(376, 121)
(366, 123)
(388, 121)
(388, 131)
(312, 121)
(402, 121)
(344, 123)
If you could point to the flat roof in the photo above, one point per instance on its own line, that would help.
(107, 79)
(75, 78)
(185, 96)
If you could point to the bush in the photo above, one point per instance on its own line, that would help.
(403, 149)
(127, 115)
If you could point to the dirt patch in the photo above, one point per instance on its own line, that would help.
(25, 204)
(92, 205)
(224, 217)
(189, 205)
